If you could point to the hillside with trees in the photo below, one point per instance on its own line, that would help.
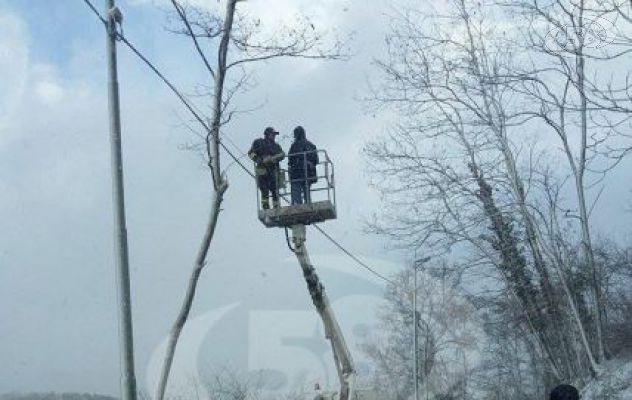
(498, 159)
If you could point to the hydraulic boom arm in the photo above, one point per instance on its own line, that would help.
(342, 356)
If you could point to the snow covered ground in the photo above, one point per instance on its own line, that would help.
(614, 384)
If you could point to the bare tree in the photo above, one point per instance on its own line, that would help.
(447, 331)
(456, 162)
(225, 382)
(446, 85)
(240, 42)
(566, 78)
(220, 184)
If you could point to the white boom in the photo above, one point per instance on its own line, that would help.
(342, 356)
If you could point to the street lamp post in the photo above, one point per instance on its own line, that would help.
(418, 263)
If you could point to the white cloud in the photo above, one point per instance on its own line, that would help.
(49, 92)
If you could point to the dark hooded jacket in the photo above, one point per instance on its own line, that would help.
(302, 159)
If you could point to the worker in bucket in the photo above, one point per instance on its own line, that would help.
(302, 161)
(267, 154)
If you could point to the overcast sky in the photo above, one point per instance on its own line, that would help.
(57, 292)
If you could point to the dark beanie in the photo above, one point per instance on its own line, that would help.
(564, 392)
(299, 132)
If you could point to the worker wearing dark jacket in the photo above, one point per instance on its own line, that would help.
(267, 154)
(302, 161)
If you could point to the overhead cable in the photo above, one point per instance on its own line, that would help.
(236, 159)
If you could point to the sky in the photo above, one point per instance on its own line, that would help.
(57, 288)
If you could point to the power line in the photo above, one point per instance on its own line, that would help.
(236, 159)
(352, 256)
(95, 11)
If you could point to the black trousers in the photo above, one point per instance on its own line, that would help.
(268, 185)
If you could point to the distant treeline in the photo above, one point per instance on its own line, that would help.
(54, 396)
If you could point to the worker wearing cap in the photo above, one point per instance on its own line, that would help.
(267, 154)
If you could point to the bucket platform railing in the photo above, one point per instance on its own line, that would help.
(319, 203)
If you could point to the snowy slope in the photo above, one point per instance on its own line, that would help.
(614, 384)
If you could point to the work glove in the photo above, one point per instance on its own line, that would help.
(278, 157)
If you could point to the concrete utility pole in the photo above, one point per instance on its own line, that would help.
(126, 345)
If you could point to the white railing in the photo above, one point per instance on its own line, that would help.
(323, 189)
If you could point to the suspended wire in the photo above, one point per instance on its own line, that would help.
(233, 162)
(236, 159)
(95, 11)
(166, 81)
(184, 101)
(353, 257)
(232, 143)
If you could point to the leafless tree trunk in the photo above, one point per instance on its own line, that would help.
(220, 184)
(560, 253)
(494, 115)
(243, 39)
(563, 96)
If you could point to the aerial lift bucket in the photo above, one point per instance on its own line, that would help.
(320, 206)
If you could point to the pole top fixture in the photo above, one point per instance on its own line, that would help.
(115, 14)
